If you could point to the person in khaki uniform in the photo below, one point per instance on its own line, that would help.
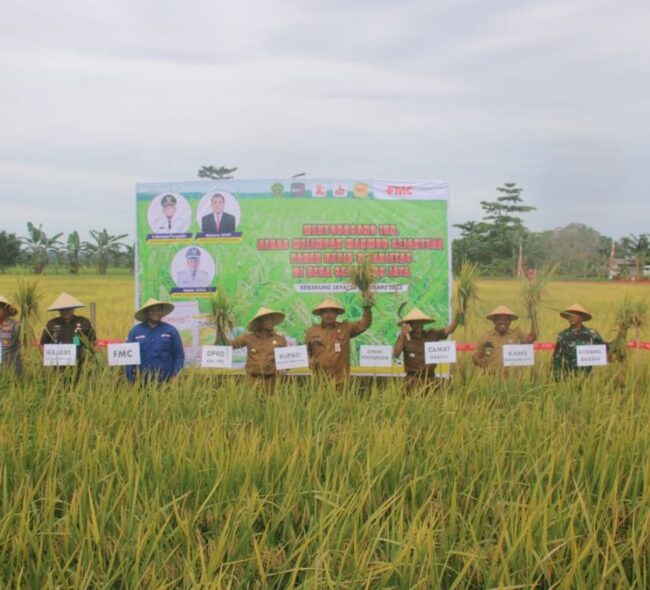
(410, 342)
(10, 337)
(328, 344)
(69, 328)
(261, 340)
(489, 348)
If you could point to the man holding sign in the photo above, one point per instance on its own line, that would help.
(161, 348)
(261, 340)
(489, 349)
(328, 343)
(411, 342)
(565, 355)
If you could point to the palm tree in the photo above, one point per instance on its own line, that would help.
(105, 248)
(73, 248)
(38, 246)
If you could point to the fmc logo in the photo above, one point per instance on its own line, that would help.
(399, 190)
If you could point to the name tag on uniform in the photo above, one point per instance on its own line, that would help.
(291, 357)
(591, 355)
(337, 347)
(124, 354)
(216, 357)
(59, 355)
(443, 351)
(518, 355)
(375, 356)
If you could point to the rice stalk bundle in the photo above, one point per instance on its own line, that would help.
(28, 297)
(467, 291)
(363, 275)
(221, 315)
(630, 314)
(534, 293)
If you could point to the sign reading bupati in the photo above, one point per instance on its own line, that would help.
(293, 242)
(59, 355)
(291, 357)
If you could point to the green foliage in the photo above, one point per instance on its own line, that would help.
(9, 250)
(39, 247)
(28, 297)
(534, 292)
(73, 251)
(221, 315)
(631, 313)
(216, 173)
(467, 291)
(106, 248)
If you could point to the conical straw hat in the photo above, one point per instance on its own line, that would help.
(576, 309)
(9, 307)
(262, 312)
(65, 301)
(141, 314)
(502, 310)
(328, 304)
(415, 315)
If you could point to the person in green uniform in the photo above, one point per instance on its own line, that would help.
(69, 328)
(10, 337)
(489, 349)
(565, 358)
(410, 343)
(328, 343)
(261, 340)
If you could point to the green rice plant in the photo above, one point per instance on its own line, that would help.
(363, 275)
(28, 297)
(467, 289)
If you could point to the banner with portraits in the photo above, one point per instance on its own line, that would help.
(287, 244)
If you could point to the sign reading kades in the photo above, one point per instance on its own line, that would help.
(518, 355)
(591, 355)
(216, 357)
(59, 355)
(291, 357)
(375, 356)
(443, 351)
(124, 354)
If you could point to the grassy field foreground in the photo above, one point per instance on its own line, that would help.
(205, 484)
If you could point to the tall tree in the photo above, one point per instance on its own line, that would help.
(9, 250)
(39, 247)
(637, 247)
(107, 247)
(220, 173)
(73, 247)
(493, 242)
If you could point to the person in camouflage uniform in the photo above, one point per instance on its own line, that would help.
(565, 358)
(10, 337)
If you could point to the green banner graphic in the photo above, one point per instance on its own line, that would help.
(288, 244)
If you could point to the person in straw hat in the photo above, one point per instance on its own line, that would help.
(328, 343)
(10, 337)
(69, 328)
(161, 348)
(411, 341)
(489, 349)
(565, 358)
(261, 340)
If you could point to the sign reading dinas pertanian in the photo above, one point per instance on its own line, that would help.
(287, 244)
(375, 355)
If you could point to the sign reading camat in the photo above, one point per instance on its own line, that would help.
(518, 355)
(124, 354)
(443, 351)
(376, 356)
(591, 355)
(291, 357)
(216, 357)
(59, 355)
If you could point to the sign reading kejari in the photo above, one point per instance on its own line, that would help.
(59, 355)
(297, 240)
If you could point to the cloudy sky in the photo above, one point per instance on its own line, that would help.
(99, 95)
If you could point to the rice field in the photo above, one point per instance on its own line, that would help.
(489, 483)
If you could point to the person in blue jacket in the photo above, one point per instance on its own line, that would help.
(161, 348)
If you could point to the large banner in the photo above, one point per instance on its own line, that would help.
(287, 244)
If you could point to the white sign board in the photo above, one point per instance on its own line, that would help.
(216, 357)
(518, 355)
(443, 351)
(591, 355)
(59, 355)
(291, 357)
(375, 356)
(123, 354)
